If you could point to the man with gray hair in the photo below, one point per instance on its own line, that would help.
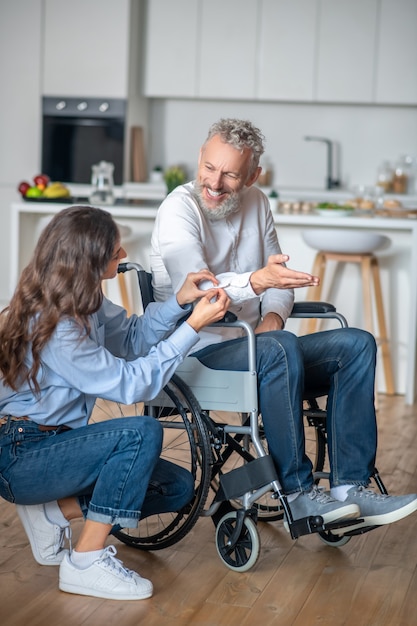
(222, 222)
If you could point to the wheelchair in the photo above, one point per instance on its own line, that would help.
(212, 427)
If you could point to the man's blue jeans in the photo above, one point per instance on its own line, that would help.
(113, 467)
(340, 361)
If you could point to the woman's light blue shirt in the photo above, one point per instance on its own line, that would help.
(123, 359)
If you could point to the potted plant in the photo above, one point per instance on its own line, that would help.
(174, 176)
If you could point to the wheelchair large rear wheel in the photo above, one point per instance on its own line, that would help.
(186, 442)
(315, 438)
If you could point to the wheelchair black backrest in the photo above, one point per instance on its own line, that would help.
(144, 280)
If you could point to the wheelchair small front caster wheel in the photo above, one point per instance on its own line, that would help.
(331, 539)
(244, 554)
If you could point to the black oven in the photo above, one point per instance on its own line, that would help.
(80, 132)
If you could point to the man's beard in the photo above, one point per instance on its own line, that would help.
(227, 207)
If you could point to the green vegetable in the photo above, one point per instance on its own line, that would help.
(333, 205)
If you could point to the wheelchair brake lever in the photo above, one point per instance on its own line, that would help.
(228, 318)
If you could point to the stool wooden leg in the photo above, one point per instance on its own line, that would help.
(366, 292)
(365, 262)
(123, 293)
(124, 296)
(382, 329)
(308, 326)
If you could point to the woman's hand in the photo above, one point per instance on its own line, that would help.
(190, 292)
(211, 308)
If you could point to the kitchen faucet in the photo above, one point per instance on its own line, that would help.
(331, 183)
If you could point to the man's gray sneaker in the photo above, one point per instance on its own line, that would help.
(46, 538)
(318, 502)
(377, 509)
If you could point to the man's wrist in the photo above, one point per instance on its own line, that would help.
(256, 283)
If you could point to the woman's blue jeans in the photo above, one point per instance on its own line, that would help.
(342, 363)
(113, 467)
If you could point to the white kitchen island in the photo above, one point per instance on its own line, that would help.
(398, 268)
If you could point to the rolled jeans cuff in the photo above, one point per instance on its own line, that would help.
(125, 519)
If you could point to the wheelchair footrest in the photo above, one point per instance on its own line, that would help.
(308, 525)
(249, 477)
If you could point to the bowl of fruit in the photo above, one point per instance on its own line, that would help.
(42, 189)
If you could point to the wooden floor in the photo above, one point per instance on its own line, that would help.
(371, 581)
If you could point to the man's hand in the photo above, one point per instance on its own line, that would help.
(277, 276)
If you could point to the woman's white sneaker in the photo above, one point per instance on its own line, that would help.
(106, 578)
(46, 538)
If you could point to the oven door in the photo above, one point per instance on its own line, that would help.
(71, 145)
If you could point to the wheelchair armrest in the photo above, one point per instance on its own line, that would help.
(312, 307)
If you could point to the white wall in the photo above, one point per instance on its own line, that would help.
(366, 135)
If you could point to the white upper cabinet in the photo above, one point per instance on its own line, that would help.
(86, 48)
(171, 48)
(397, 53)
(228, 49)
(346, 50)
(351, 51)
(287, 47)
(20, 72)
(201, 48)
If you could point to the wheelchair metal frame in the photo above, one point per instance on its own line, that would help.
(237, 392)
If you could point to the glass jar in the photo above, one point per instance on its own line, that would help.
(265, 177)
(385, 177)
(102, 183)
(400, 180)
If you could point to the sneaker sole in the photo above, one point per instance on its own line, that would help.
(24, 518)
(386, 518)
(349, 511)
(84, 591)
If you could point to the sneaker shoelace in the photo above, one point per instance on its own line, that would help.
(319, 495)
(109, 560)
(362, 492)
(62, 533)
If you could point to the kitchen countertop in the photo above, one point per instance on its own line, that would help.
(149, 192)
(400, 268)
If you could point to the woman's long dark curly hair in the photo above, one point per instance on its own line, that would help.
(63, 279)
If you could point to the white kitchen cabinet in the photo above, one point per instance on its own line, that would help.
(20, 72)
(346, 51)
(287, 47)
(396, 77)
(201, 48)
(228, 49)
(171, 48)
(20, 50)
(86, 48)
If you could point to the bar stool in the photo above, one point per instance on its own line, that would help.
(336, 245)
(125, 299)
